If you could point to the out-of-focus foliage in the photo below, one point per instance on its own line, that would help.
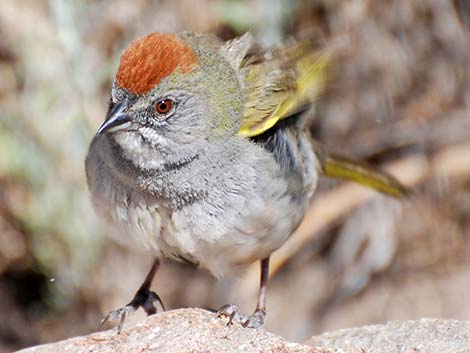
(399, 91)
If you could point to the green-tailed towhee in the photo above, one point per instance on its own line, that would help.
(204, 154)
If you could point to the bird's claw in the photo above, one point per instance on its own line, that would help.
(119, 314)
(233, 313)
(255, 320)
(144, 298)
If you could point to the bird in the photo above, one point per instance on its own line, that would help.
(204, 155)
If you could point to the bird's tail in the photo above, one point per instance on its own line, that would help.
(343, 168)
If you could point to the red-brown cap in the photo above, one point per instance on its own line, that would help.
(150, 59)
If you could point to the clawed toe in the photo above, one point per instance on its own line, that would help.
(233, 313)
(144, 298)
(119, 314)
(256, 320)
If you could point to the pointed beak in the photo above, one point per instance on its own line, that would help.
(116, 120)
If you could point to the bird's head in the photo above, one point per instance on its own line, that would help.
(171, 95)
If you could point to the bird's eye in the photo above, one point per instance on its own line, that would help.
(164, 106)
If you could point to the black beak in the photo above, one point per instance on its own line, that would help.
(116, 119)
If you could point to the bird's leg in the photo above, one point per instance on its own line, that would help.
(144, 298)
(256, 319)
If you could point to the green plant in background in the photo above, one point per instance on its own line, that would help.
(43, 139)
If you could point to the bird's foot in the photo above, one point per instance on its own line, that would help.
(255, 320)
(144, 299)
(119, 314)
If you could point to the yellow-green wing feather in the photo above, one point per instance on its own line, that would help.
(277, 84)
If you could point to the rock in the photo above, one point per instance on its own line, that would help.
(420, 336)
(197, 330)
(182, 330)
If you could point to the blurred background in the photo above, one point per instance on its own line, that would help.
(398, 97)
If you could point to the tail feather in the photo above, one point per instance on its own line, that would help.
(343, 168)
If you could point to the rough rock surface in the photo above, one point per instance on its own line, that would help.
(197, 330)
(182, 330)
(420, 336)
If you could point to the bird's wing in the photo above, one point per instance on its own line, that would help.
(275, 83)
